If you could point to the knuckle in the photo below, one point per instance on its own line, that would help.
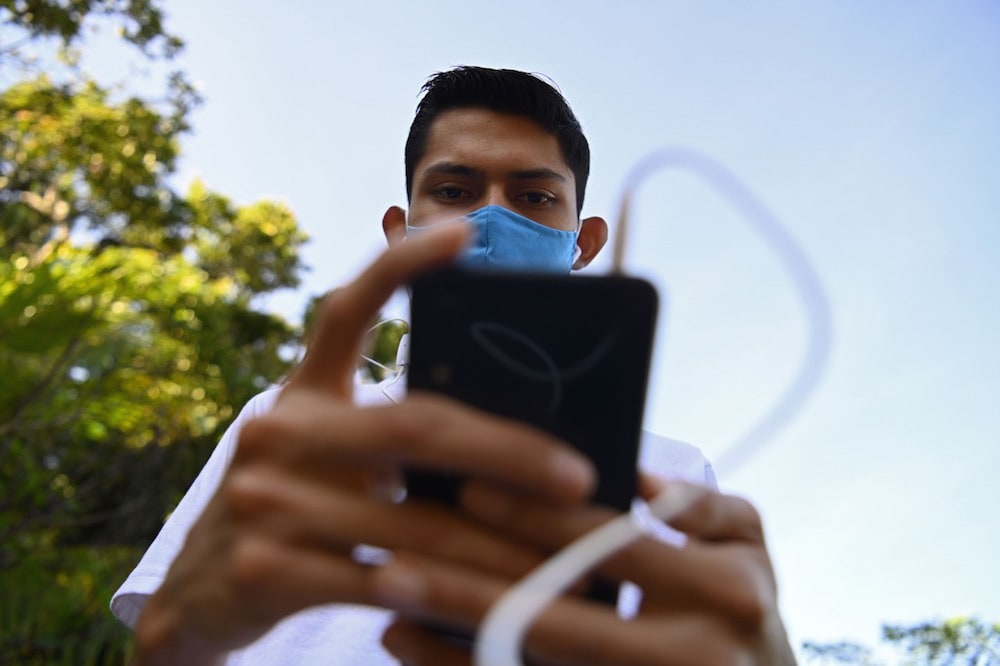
(727, 650)
(750, 518)
(254, 562)
(245, 489)
(716, 643)
(412, 422)
(752, 595)
(590, 646)
(752, 609)
(433, 533)
(332, 308)
(256, 439)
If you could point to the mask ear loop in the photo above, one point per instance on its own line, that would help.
(502, 631)
(397, 371)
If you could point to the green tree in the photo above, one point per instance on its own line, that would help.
(959, 640)
(130, 326)
(140, 22)
(129, 329)
(965, 640)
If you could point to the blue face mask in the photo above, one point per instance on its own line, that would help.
(506, 240)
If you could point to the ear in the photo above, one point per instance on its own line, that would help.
(592, 237)
(394, 224)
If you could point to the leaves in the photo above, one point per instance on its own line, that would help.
(140, 22)
(120, 349)
(72, 160)
(256, 247)
(961, 639)
(965, 640)
(129, 333)
(53, 603)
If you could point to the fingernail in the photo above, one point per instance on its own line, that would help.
(400, 586)
(572, 472)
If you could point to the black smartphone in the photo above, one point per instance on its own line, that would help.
(568, 354)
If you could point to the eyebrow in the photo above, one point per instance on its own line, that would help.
(458, 169)
(539, 174)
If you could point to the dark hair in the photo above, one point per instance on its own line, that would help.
(503, 91)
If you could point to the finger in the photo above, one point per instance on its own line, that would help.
(711, 517)
(650, 485)
(423, 431)
(541, 523)
(730, 578)
(385, 482)
(584, 634)
(258, 584)
(421, 588)
(346, 314)
(717, 517)
(283, 578)
(416, 646)
(307, 513)
(569, 631)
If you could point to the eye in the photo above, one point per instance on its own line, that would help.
(450, 193)
(538, 198)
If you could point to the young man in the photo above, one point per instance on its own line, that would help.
(259, 563)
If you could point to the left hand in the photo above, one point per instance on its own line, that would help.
(279, 534)
(712, 601)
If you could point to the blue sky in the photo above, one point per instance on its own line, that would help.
(871, 130)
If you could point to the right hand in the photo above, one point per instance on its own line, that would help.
(278, 535)
(711, 601)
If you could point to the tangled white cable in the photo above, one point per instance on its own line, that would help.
(812, 295)
(501, 634)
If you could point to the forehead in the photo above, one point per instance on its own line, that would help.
(489, 141)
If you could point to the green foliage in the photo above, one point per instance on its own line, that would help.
(66, 591)
(129, 327)
(71, 159)
(965, 640)
(129, 330)
(959, 640)
(256, 246)
(140, 22)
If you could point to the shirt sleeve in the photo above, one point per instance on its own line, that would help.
(145, 579)
(673, 459)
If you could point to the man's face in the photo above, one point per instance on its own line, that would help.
(477, 157)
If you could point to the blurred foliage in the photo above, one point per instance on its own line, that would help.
(140, 22)
(130, 327)
(959, 640)
(54, 608)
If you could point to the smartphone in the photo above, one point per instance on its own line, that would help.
(567, 354)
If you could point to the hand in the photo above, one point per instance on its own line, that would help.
(278, 535)
(712, 601)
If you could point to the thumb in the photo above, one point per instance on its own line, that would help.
(346, 314)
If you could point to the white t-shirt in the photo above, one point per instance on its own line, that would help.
(335, 633)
